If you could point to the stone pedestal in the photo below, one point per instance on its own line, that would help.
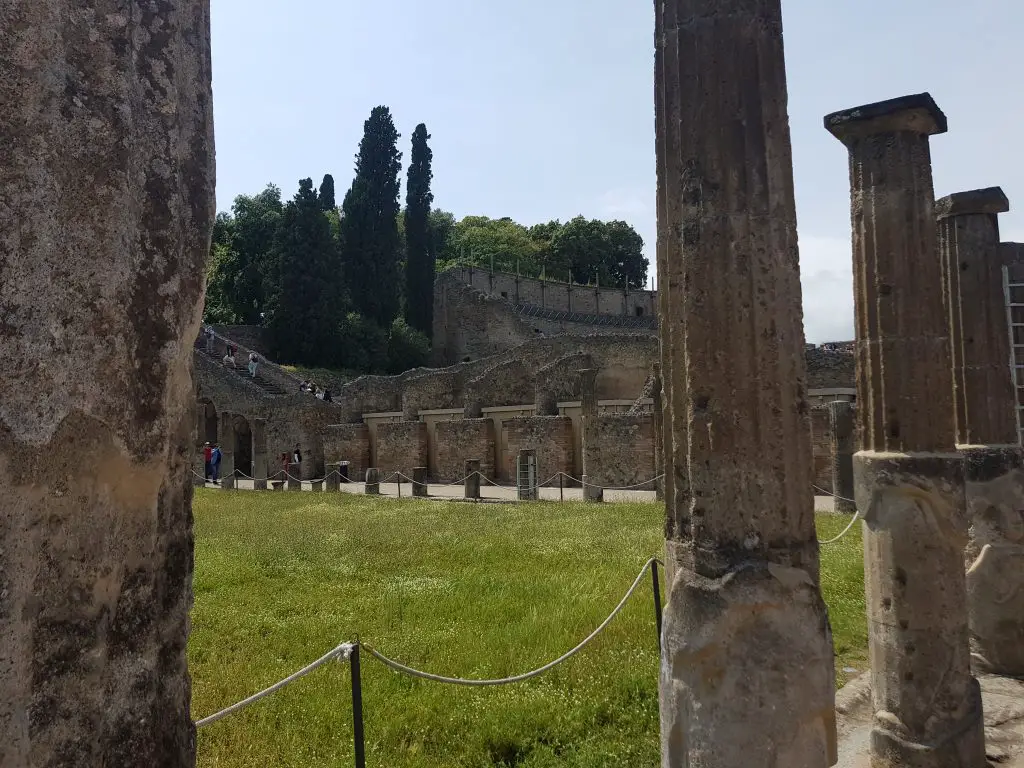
(317, 485)
(419, 481)
(106, 180)
(332, 482)
(259, 453)
(843, 432)
(293, 483)
(909, 481)
(747, 671)
(473, 479)
(227, 440)
(995, 557)
(588, 427)
(927, 704)
(372, 482)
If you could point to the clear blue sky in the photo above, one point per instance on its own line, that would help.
(543, 109)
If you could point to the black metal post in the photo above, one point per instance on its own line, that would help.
(561, 495)
(357, 708)
(399, 483)
(657, 600)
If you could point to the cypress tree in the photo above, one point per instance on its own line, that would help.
(370, 244)
(305, 309)
(327, 202)
(420, 254)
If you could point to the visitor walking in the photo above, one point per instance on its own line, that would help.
(209, 340)
(230, 356)
(297, 455)
(207, 465)
(253, 362)
(215, 457)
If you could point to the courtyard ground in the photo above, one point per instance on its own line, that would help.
(459, 589)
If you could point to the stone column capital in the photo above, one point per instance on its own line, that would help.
(917, 113)
(976, 201)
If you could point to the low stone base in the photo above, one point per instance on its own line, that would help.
(995, 557)
(927, 711)
(747, 672)
(593, 493)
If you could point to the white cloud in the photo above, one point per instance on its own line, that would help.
(826, 276)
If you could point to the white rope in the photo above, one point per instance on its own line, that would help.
(398, 667)
(856, 515)
(624, 487)
(342, 652)
(823, 492)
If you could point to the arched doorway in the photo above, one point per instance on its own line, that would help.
(243, 445)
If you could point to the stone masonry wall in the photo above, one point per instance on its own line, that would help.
(351, 443)
(401, 445)
(550, 436)
(462, 440)
(624, 451)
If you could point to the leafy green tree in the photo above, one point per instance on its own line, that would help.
(327, 193)
(419, 259)
(305, 308)
(370, 244)
(442, 229)
(407, 348)
(502, 242)
(609, 253)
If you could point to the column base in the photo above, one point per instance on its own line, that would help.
(227, 483)
(333, 482)
(592, 492)
(747, 671)
(260, 484)
(926, 703)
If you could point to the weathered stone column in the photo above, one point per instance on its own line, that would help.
(258, 428)
(419, 481)
(472, 490)
(909, 481)
(840, 414)
(745, 623)
(659, 434)
(588, 426)
(226, 438)
(106, 203)
(546, 402)
(986, 428)
(332, 481)
(372, 487)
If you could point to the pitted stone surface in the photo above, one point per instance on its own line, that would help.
(745, 622)
(106, 203)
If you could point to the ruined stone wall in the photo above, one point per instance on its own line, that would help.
(351, 443)
(821, 445)
(550, 436)
(557, 295)
(623, 452)
(459, 441)
(401, 446)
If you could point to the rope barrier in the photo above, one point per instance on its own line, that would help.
(833, 495)
(402, 668)
(341, 652)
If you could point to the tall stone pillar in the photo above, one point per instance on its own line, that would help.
(258, 428)
(226, 439)
(909, 480)
(472, 484)
(588, 426)
(986, 429)
(659, 434)
(745, 622)
(840, 414)
(106, 204)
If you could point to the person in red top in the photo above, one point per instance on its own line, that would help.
(207, 455)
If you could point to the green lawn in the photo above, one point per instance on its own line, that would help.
(457, 589)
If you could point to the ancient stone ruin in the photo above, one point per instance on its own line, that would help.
(106, 204)
(745, 623)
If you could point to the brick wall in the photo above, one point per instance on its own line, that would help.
(624, 453)
(821, 444)
(550, 436)
(401, 445)
(351, 443)
(455, 442)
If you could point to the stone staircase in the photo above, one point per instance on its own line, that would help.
(241, 370)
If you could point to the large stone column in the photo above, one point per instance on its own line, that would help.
(986, 429)
(909, 480)
(841, 421)
(747, 673)
(588, 427)
(657, 417)
(106, 203)
(258, 429)
(226, 438)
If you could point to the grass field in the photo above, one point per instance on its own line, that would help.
(457, 589)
